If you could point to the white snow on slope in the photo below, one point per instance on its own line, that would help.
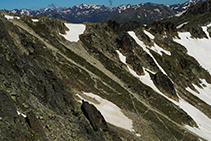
(146, 79)
(19, 113)
(149, 34)
(74, 31)
(146, 48)
(110, 112)
(204, 92)
(200, 49)
(179, 26)
(121, 57)
(11, 17)
(35, 20)
(200, 118)
(179, 14)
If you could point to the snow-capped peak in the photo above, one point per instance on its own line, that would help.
(86, 6)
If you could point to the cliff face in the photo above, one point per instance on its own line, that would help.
(135, 78)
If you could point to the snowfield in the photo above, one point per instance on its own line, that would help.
(19, 113)
(204, 92)
(11, 17)
(203, 122)
(155, 48)
(74, 31)
(110, 112)
(35, 20)
(200, 49)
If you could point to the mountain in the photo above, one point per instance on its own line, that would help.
(76, 14)
(106, 81)
(150, 12)
(145, 13)
(181, 7)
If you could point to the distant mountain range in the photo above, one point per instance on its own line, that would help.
(145, 13)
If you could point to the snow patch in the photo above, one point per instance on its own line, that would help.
(74, 31)
(203, 122)
(138, 135)
(179, 14)
(19, 113)
(157, 10)
(110, 112)
(198, 48)
(146, 79)
(204, 28)
(121, 57)
(179, 26)
(146, 48)
(156, 48)
(149, 34)
(11, 17)
(35, 20)
(204, 92)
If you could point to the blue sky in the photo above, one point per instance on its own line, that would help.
(38, 4)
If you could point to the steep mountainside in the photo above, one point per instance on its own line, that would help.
(105, 81)
(143, 12)
(147, 14)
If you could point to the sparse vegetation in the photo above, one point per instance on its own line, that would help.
(41, 72)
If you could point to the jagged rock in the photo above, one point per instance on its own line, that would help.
(94, 116)
(35, 126)
(98, 122)
(135, 63)
(131, 26)
(7, 107)
(194, 29)
(113, 25)
(160, 27)
(13, 126)
(165, 85)
(124, 43)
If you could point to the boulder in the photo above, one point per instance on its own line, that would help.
(164, 84)
(94, 116)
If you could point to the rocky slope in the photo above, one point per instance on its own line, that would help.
(112, 82)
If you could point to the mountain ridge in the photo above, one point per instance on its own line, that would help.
(98, 13)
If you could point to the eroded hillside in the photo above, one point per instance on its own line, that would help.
(144, 81)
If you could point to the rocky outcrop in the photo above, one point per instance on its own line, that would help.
(94, 116)
(35, 126)
(160, 27)
(97, 121)
(135, 64)
(131, 26)
(165, 85)
(17, 127)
